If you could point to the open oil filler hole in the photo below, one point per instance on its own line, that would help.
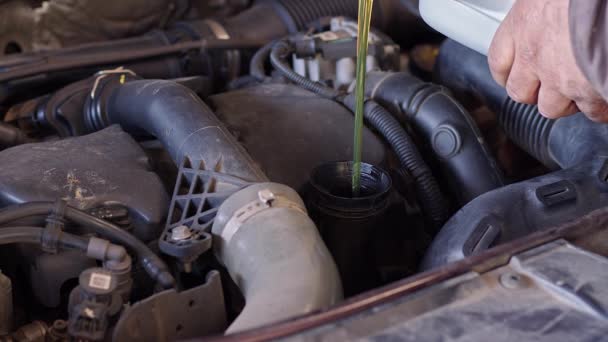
(334, 180)
(350, 224)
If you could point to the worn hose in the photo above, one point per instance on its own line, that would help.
(428, 191)
(154, 266)
(278, 58)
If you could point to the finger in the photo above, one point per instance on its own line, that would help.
(523, 85)
(502, 53)
(553, 105)
(595, 110)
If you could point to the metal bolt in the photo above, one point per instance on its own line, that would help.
(60, 326)
(181, 233)
(512, 281)
(266, 196)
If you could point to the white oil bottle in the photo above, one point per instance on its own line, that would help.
(472, 23)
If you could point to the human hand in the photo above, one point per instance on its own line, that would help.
(532, 56)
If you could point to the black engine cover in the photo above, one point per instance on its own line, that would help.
(106, 167)
(289, 131)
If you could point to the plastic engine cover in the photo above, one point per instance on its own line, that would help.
(289, 131)
(106, 167)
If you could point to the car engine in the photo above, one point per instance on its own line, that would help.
(173, 170)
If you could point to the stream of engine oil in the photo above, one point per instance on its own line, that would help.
(364, 23)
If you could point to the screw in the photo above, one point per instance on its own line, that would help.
(511, 281)
(181, 233)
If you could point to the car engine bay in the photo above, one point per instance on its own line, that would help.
(182, 170)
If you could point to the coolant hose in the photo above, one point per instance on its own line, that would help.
(446, 128)
(562, 143)
(428, 191)
(187, 128)
(154, 266)
(275, 254)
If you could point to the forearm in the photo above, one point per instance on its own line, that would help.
(589, 31)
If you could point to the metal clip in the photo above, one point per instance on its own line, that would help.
(105, 73)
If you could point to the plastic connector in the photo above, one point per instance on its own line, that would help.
(55, 223)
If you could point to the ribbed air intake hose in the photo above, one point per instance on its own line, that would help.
(528, 129)
(557, 144)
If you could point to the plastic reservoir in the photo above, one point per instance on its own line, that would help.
(470, 22)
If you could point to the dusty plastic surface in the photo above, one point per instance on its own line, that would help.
(470, 22)
(275, 255)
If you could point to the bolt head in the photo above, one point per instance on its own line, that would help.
(181, 233)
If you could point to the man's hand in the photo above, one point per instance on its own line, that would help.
(532, 56)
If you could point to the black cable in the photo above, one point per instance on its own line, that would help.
(63, 63)
(278, 55)
(257, 66)
(153, 264)
(427, 188)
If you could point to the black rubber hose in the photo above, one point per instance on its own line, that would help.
(99, 58)
(446, 129)
(278, 58)
(528, 129)
(25, 235)
(187, 128)
(257, 67)
(466, 72)
(154, 266)
(431, 199)
(562, 143)
(34, 235)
